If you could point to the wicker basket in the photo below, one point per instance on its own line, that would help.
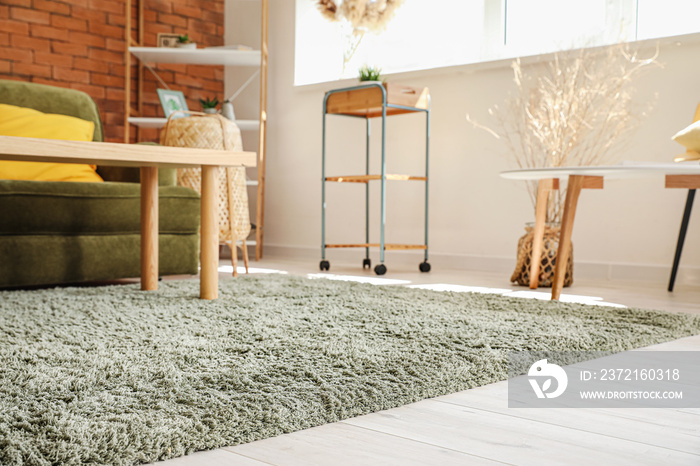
(548, 259)
(207, 131)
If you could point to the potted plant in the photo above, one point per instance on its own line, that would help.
(209, 105)
(370, 74)
(574, 110)
(184, 42)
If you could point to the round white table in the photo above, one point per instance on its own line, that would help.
(677, 175)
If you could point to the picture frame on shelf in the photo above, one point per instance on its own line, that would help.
(166, 39)
(172, 101)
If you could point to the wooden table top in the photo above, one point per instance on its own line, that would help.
(129, 155)
(624, 170)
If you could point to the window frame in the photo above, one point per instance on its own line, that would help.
(622, 15)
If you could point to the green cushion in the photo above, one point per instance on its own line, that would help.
(46, 260)
(52, 99)
(56, 208)
(166, 176)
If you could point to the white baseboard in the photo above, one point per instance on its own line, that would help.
(582, 269)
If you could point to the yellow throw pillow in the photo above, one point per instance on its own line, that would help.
(689, 137)
(30, 123)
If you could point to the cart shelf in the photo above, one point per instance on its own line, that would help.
(387, 247)
(367, 101)
(368, 178)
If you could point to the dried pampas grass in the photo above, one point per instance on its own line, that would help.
(328, 9)
(361, 14)
(576, 112)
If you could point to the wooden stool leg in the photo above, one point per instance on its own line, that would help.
(681, 237)
(573, 190)
(543, 189)
(245, 256)
(231, 219)
(234, 256)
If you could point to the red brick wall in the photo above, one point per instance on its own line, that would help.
(80, 44)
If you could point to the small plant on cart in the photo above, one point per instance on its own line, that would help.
(370, 73)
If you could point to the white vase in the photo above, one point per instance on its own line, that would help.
(187, 45)
(211, 111)
(227, 110)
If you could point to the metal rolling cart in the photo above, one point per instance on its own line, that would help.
(367, 101)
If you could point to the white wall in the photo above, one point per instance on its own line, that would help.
(476, 217)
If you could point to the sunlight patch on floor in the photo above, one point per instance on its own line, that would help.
(461, 288)
(541, 295)
(564, 298)
(359, 279)
(527, 294)
(241, 270)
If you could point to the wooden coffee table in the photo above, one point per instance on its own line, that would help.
(676, 175)
(148, 159)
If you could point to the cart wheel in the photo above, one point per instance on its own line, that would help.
(380, 269)
(366, 263)
(424, 266)
(324, 265)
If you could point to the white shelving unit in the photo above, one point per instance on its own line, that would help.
(205, 56)
(148, 56)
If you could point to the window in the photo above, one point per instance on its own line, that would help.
(539, 26)
(428, 34)
(423, 34)
(663, 18)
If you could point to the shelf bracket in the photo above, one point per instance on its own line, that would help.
(245, 84)
(153, 72)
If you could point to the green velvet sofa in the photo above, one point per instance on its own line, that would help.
(62, 232)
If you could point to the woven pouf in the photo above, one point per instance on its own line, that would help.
(206, 131)
(550, 245)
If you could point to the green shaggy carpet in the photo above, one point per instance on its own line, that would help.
(113, 375)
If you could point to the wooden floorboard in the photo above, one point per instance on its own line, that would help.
(664, 428)
(682, 344)
(342, 444)
(515, 440)
(220, 457)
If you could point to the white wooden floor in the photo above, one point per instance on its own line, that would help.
(476, 426)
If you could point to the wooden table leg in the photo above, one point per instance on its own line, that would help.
(149, 228)
(543, 189)
(573, 189)
(209, 278)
